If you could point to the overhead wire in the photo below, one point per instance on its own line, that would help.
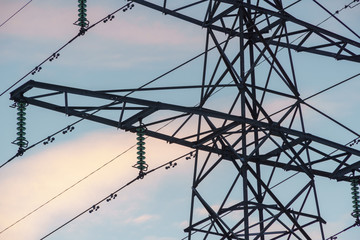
(107, 163)
(87, 176)
(67, 189)
(94, 206)
(311, 96)
(130, 93)
(283, 109)
(36, 69)
(333, 237)
(15, 13)
(87, 29)
(276, 185)
(101, 20)
(333, 15)
(323, 21)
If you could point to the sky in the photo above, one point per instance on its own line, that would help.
(135, 47)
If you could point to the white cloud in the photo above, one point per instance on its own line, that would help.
(30, 181)
(142, 219)
(46, 22)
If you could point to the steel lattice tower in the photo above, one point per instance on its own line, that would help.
(232, 128)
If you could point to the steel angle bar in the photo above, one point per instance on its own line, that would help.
(152, 106)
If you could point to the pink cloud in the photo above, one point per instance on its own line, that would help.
(56, 22)
(30, 181)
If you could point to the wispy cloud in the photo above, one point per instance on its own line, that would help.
(142, 219)
(56, 22)
(30, 181)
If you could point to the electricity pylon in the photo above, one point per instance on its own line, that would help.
(242, 145)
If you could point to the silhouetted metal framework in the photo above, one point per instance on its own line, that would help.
(231, 125)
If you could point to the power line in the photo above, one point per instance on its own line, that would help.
(81, 180)
(56, 53)
(131, 147)
(113, 194)
(104, 20)
(68, 188)
(18, 154)
(87, 176)
(333, 237)
(333, 15)
(15, 13)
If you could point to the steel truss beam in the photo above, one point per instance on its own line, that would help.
(332, 44)
(243, 139)
(145, 108)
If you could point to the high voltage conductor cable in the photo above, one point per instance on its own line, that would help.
(50, 137)
(109, 17)
(274, 186)
(148, 172)
(333, 237)
(87, 176)
(333, 15)
(325, 20)
(15, 13)
(113, 195)
(350, 143)
(83, 119)
(94, 207)
(56, 53)
(67, 189)
(129, 5)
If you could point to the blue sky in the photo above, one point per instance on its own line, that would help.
(135, 47)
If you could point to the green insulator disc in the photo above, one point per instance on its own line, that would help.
(21, 138)
(22, 144)
(140, 138)
(140, 162)
(354, 188)
(21, 124)
(140, 148)
(141, 157)
(82, 20)
(21, 114)
(82, 16)
(355, 197)
(21, 128)
(21, 118)
(21, 134)
(82, 10)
